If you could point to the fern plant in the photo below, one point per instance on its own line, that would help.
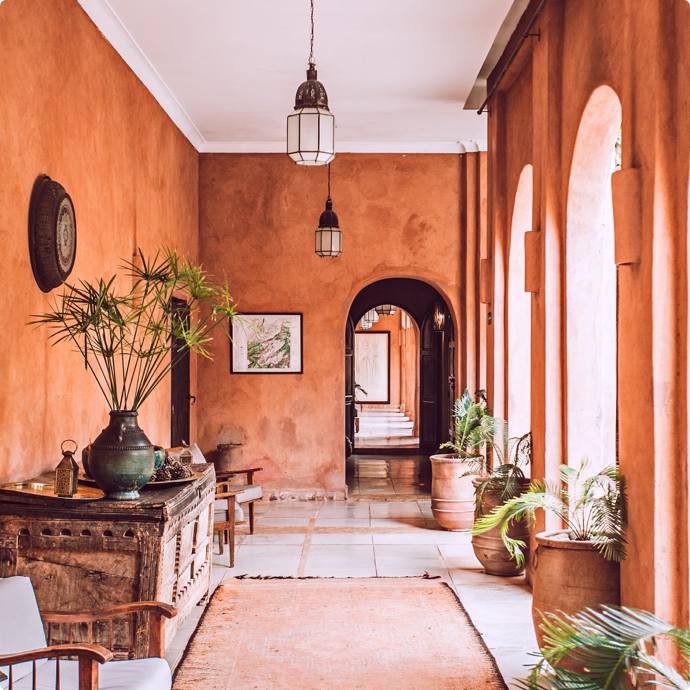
(475, 428)
(593, 508)
(612, 647)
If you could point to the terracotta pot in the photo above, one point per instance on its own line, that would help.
(229, 457)
(570, 576)
(452, 495)
(489, 547)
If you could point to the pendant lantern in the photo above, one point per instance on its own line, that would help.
(364, 324)
(311, 126)
(372, 316)
(328, 240)
(385, 310)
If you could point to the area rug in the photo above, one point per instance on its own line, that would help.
(312, 634)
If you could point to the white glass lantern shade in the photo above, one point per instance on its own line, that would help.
(385, 310)
(310, 136)
(364, 324)
(328, 240)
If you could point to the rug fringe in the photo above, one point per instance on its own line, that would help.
(426, 576)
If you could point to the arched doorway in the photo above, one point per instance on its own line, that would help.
(519, 312)
(591, 286)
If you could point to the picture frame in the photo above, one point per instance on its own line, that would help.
(267, 343)
(373, 367)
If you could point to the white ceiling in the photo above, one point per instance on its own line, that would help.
(397, 72)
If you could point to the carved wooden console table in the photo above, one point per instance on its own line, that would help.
(91, 555)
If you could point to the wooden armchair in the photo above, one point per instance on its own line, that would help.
(244, 493)
(29, 661)
(228, 506)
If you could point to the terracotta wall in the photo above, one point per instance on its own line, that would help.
(639, 51)
(401, 216)
(71, 109)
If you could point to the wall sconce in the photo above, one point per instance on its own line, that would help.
(439, 317)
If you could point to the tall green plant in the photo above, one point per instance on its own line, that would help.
(593, 508)
(613, 648)
(126, 338)
(475, 428)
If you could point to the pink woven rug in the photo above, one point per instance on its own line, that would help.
(393, 633)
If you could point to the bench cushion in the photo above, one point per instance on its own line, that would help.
(21, 627)
(131, 674)
(250, 492)
(220, 509)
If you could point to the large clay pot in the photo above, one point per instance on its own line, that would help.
(488, 546)
(570, 576)
(122, 459)
(229, 457)
(452, 495)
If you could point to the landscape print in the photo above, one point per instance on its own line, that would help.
(267, 343)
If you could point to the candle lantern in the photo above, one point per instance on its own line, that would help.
(67, 472)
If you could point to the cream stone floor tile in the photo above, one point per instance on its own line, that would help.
(398, 522)
(355, 509)
(403, 560)
(283, 522)
(420, 537)
(444, 537)
(341, 522)
(395, 510)
(264, 539)
(318, 538)
(350, 560)
(278, 559)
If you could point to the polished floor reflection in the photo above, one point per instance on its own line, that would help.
(394, 475)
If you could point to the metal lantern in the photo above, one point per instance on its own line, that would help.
(439, 317)
(372, 316)
(385, 310)
(67, 472)
(364, 324)
(311, 127)
(328, 240)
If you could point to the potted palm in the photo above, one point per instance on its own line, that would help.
(608, 647)
(504, 481)
(126, 340)
(578, 566)
(452, 493)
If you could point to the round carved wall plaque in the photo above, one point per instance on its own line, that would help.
(52, 234)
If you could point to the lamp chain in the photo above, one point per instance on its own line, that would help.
(329, 181)
(311, 52)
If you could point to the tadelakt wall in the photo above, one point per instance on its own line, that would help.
(595, 65)
(72, 109)
(401, 216)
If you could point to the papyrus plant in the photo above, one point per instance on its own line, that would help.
(131, 340)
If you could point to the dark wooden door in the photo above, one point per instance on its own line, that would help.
(349, 387)
(430, 370)
(180, 387)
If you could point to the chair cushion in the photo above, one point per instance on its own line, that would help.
(220, 510)
(21, 627)
(251, 492)
(132, 674)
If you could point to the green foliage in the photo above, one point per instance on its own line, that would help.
(507, 480)
(593, 508)
(475, 428)
(125, 338)
(613, 648)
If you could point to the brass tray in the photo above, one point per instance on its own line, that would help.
(84, 493)
(196, 473)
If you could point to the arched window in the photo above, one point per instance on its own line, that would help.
(591, 286)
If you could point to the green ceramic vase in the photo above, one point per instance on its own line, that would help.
(122, 459)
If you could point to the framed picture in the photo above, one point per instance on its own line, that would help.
(372, 367)
(267, 344)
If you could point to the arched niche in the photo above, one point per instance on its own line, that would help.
(591, 286)
(519, 311)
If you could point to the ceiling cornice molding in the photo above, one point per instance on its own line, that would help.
(349, 147)
(109, 24)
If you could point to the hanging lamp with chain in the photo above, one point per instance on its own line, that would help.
(328, 238)
(311, 126)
